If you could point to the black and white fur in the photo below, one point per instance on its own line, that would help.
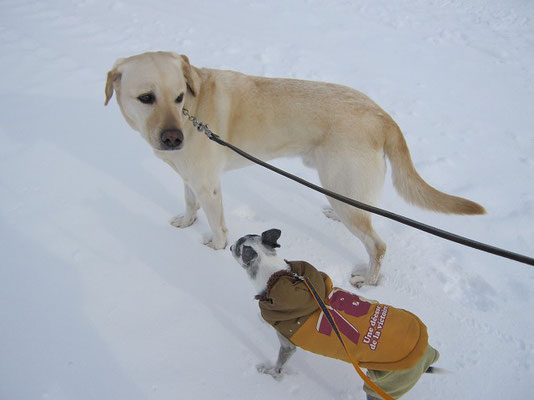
(257, 255)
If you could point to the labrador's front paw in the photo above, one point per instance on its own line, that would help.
(183, 221)
(215, 244)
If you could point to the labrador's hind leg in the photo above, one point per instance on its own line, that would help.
(360, 179)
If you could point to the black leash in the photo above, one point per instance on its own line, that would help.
(366, 207)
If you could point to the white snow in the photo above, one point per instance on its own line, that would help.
(101, 298)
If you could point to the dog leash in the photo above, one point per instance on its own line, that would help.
(201, 127)
(332, 322)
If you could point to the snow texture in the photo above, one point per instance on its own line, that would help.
(101, 298)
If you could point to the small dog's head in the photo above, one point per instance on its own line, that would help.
(250, 250)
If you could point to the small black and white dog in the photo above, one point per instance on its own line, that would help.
(257, 255)
(392, 341)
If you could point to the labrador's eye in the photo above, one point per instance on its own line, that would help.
(147, 98)
(180, 98)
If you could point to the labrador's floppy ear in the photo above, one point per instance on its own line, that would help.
(114, 77)
(269, 238)
(192, 77)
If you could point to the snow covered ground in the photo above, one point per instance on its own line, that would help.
(101, 298)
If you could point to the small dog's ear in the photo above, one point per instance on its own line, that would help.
(248, 254)
(269, 238)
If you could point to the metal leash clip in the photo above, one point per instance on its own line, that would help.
(199, 125)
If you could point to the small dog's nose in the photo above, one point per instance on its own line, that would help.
(172, 139)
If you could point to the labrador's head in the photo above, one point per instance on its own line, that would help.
(151, 89)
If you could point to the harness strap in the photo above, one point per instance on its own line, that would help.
(332, 322)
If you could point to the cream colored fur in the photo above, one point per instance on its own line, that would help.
(335, 129)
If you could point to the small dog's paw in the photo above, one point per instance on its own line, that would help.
(183, 221)
(268, 369)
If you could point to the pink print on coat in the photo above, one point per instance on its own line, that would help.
(350, 304)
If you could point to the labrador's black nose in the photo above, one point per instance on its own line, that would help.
(172, 139)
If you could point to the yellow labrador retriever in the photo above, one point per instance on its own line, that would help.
(335, 129)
